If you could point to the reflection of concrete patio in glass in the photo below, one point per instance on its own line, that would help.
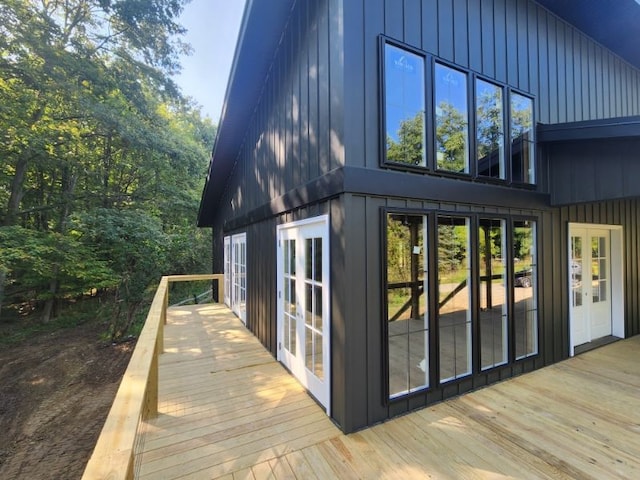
(408, 338)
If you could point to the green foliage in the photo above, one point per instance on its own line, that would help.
(103, 159)
(451, 138)
(409, 148)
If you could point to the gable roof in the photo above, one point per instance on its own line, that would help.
(613, 23)
(260, 33)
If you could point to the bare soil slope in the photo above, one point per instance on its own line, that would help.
(55, 393)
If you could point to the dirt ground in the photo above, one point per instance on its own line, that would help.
(55, 393)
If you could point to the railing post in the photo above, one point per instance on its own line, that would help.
(152, 384)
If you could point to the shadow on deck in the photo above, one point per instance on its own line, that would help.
(227, 409)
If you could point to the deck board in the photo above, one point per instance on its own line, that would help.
(228, 410)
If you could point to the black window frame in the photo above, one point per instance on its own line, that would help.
(382, 108)
(431, 277)
(470, 78)
(430, 166)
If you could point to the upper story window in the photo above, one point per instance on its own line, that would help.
(404, 106)
(522, 142)
(451, 119)
(490, 130)
(478, 128)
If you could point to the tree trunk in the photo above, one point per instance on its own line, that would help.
(69, 180)
(49, 306)
(15, 197)
(3, 279)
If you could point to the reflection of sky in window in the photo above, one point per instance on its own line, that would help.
(404, 87)
(451, 87)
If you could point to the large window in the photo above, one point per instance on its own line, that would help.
(407, 313)
(493, 292)
(451, 119)
(525, 300)
(522, 142)
(454, 297)
(489, 130)
(404, 106)
(477, 308)
(484, 132)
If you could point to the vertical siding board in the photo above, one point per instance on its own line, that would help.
(340, 368)
(324, 125)
(357, 326)
(599, 86)
(567, 49)
(304, 92)
(393, 19)
(543, 64)
(550, 329)
(460, 33)
(474, 33)
(500, 39)
(488, 38)
(336, 84)
(608, 87)
(430, 26)
(314, 90)
(375, 316)
(511, 24)
(412, 28)
(359, 80)
(296, 60)
(577, 77)
(553, 68)
(445, 30)
(523, 45)
(561, 63)
(373, 25)
(532, 52)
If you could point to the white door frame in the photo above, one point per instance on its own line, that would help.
(616, 247)
(317, 227)
(227, 270)
(239, 276)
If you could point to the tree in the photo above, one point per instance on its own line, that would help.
(409, 148)
(452, 138)
(92, 121)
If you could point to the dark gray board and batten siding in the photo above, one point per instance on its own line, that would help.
(319, 111)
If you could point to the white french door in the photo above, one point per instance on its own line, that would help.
(239, 276)
(595, 282)
(303, 304)
(227, 271)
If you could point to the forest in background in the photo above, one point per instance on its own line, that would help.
(102, 159)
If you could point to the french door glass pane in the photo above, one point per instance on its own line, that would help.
(407, 325)
(454, 298)
(525, 291)
(576, 271)
(493, 293)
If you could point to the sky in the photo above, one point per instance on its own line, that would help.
(212, 32)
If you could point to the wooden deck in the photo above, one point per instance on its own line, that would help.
(228, 410)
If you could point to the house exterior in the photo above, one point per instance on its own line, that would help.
(411, 199)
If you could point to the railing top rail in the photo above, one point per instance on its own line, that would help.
(113, 455)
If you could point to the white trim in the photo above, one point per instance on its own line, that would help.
(616, 247)
(227, 270)
(321, 389)
(239, 276)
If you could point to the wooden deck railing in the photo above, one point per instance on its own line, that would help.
(137, 396)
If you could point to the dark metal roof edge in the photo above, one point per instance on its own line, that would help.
(260, 34)
(619, 127)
